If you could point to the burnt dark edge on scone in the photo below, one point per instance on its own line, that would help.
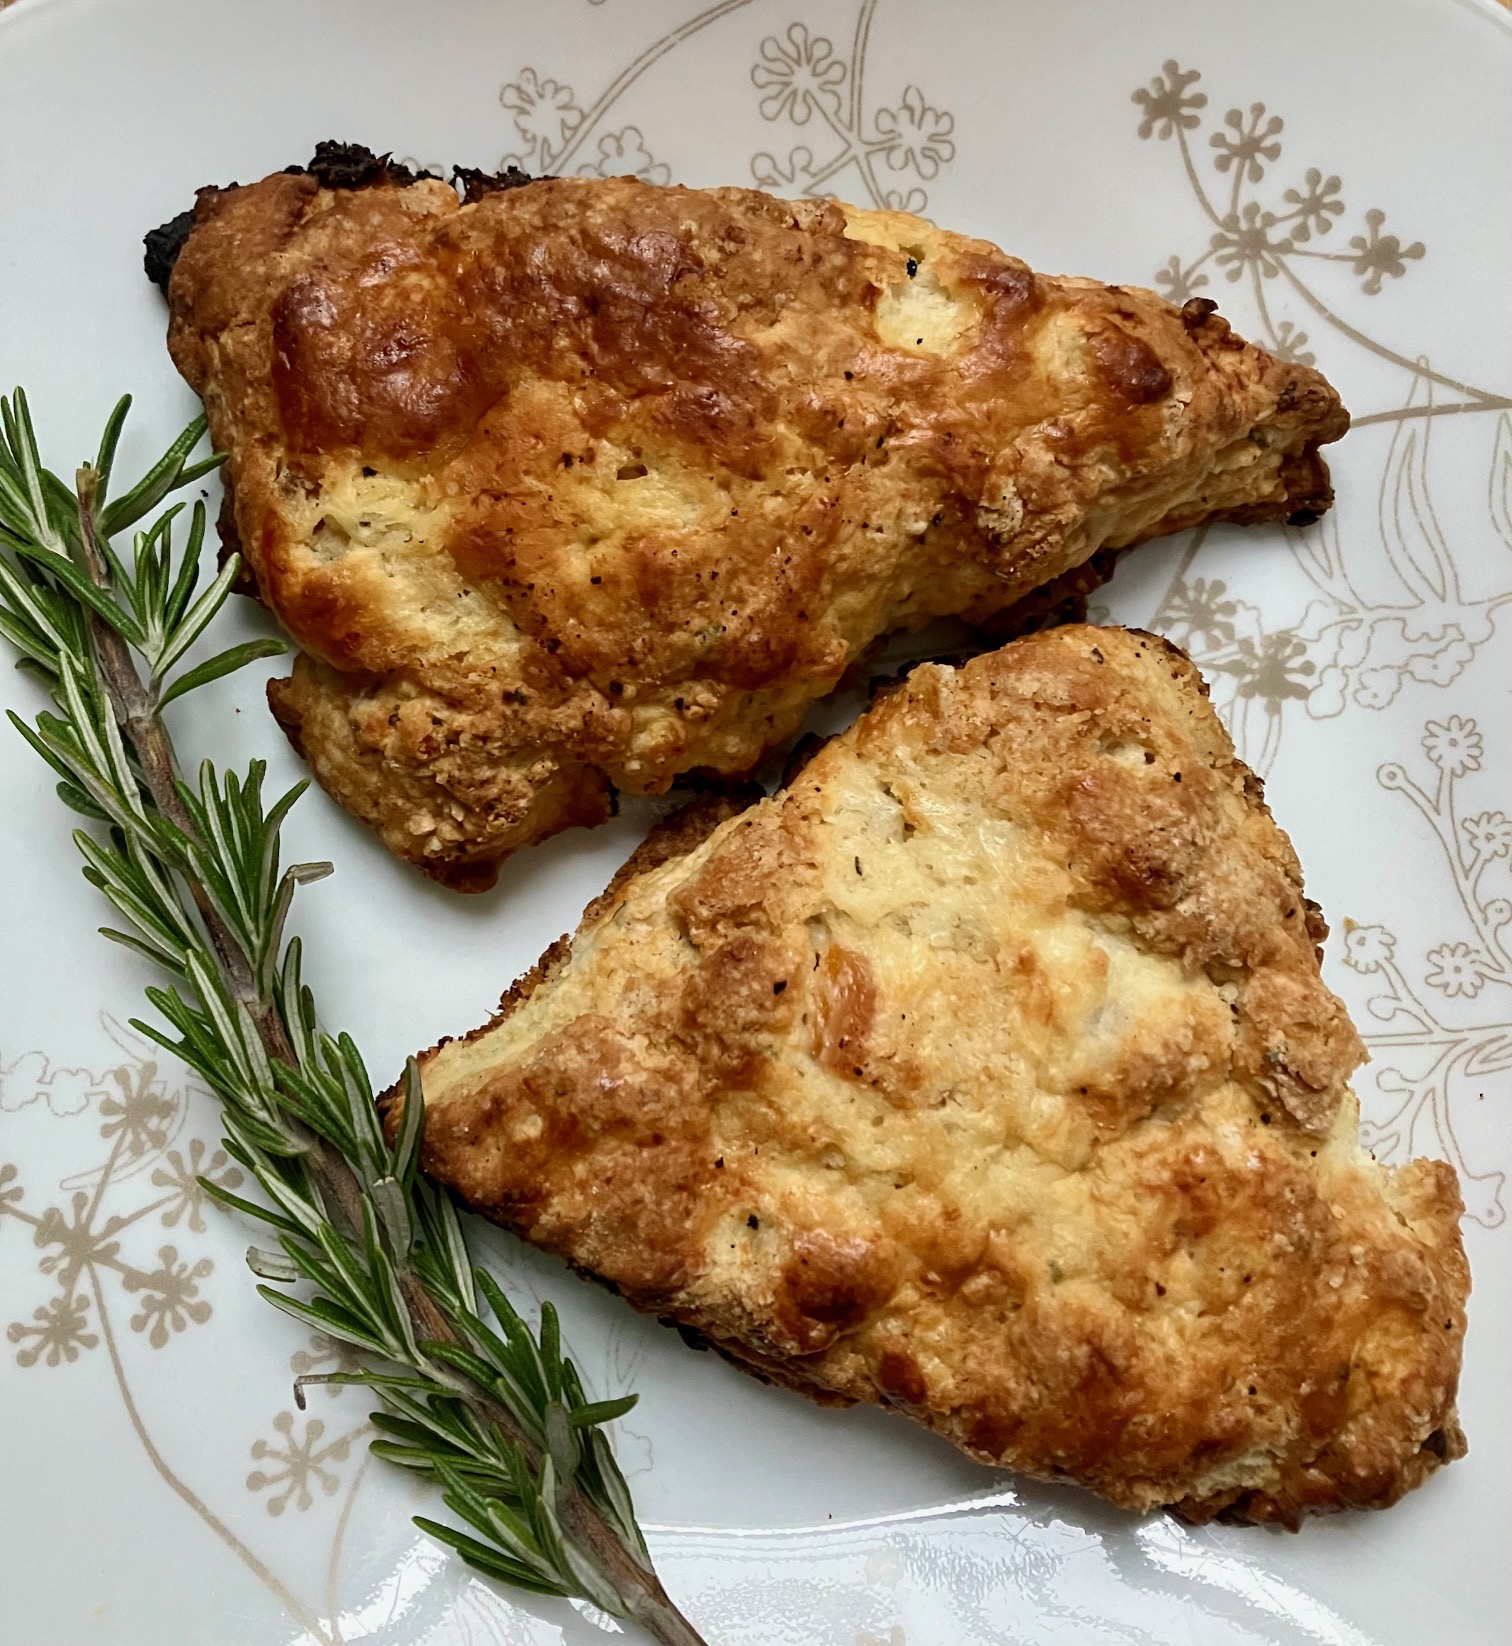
(355, 166)
(337, 165)
(334, 166)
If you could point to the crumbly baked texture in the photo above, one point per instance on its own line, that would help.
(986, 1072)
(590, 482)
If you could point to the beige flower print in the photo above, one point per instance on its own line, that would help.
(298, 1463)
(182, 1176)
(1247, 142)
(1488, 836)
(170, 1296)
(624, 154)
(918, 135)
(1453, 745)
(1169, 103)
(799, 73)
(545, 112)
(1368, 948)
(141, 1110)
(1379, 255)
(59, 1333)
(1457, 969)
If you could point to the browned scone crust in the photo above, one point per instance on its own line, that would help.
(986, 1072)
(592, 482)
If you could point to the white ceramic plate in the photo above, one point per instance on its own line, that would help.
(1340, 176)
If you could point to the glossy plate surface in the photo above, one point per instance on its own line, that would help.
(1339, 177)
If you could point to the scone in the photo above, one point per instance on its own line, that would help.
(580, 485)
(986, 1073)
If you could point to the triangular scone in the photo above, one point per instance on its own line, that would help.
(592, 482)
(987, 1072)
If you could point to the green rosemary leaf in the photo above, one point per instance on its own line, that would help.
(26, 636)
(606, 1484)
(312, 1263)
(117, 576)
(440, 1254)
(454, 1355)
(215, 856)
(102, 763)
(176, 601)
(403, 1428)
(562, 1445)
(148, 902)
(62, 509)
(196, 1045)
(395, 1384)
(388, 1196)
(525, 1353)
(248, 1208)
(271, 1265)
(388, 1298)
(105, 458)
(196, 620)
(551, 1350)
(407, 1145)
(423, 1450)
(165, 476)
(150, 935)
(62, 570)
(151, 553)
(453, 1432)
(270, 938)
(601, 1411)
(22, 441)
(198, 471)
(308, 1099)
(15, 502)
(78, 800)
(510, 1377)
(516, 1532)
(296, 1005)
(407, 1457)
(350, 1076)
(141, 945)
(281, 1177)
(222, 1022)
(61, 755)
(488, 1560)
(325, 1316)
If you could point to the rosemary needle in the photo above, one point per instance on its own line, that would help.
(492, 1411)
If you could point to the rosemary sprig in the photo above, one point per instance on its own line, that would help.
(495, 1413)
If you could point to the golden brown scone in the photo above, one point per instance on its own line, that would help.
(986, 1072)
(591, 483)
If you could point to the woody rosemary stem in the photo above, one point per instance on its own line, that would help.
(335, 1181)
(147, 736)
